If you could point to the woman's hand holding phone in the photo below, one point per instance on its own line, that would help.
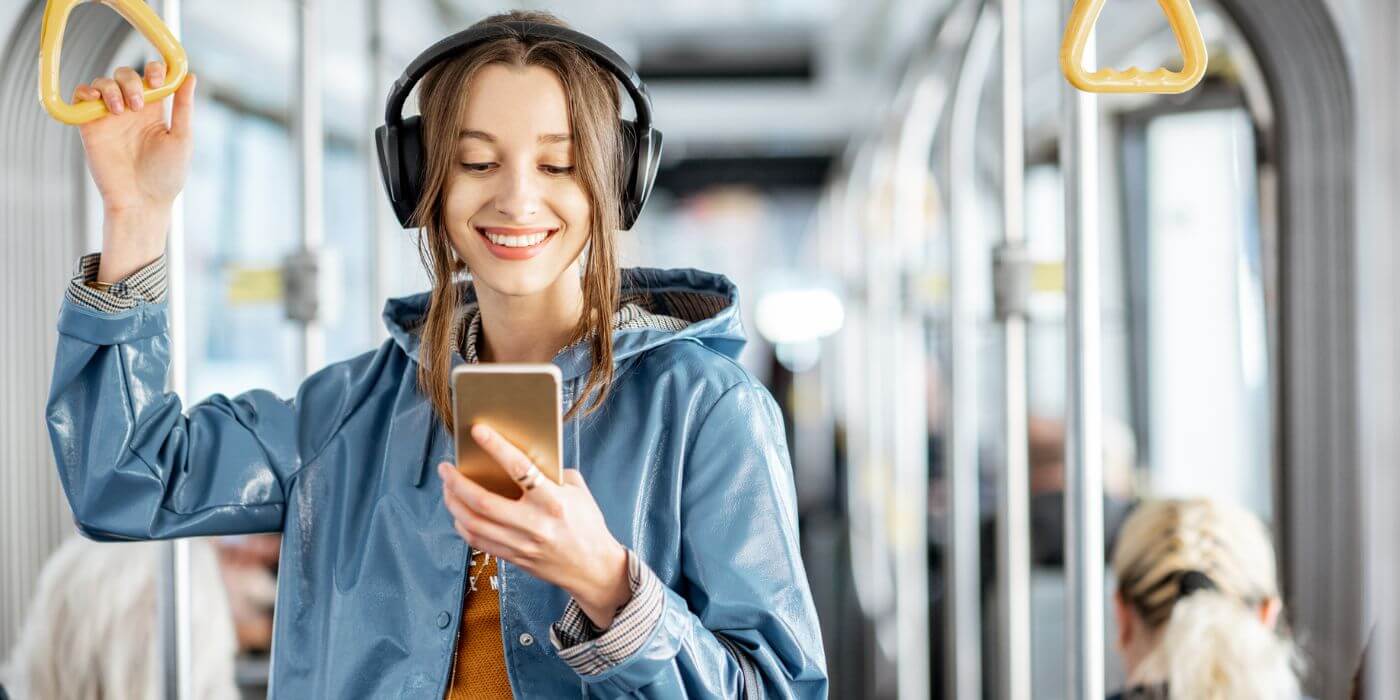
(555, 532)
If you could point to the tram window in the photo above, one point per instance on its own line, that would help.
(241, 220)
(754, 236)
(1201, 307)
(240, 204)
(1045, 238)
(350, 306)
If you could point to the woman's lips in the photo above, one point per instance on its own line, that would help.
(514, 253)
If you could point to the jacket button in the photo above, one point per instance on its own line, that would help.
(526, 639)
(444, 617)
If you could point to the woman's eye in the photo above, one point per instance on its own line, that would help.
(558, 169)
(478, 167)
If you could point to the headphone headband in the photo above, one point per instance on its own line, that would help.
(399, 141)
(518, 29)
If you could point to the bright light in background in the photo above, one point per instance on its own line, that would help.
(799, 315)
(798, 357)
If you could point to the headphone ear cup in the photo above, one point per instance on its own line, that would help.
(641, 154)
(629, 172)
(651, 167)
(413, 163)
(400, 151)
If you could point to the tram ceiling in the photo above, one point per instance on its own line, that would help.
(737, 73)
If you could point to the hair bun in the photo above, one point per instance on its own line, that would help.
(1189, 582)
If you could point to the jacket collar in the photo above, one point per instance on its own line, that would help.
(658, 307)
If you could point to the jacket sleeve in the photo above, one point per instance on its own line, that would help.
(132, 464)
(746, 625)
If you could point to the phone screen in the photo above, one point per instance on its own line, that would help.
(519, 401)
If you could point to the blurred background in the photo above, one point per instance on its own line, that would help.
(845, 163)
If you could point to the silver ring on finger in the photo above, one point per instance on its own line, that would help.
(531, 478)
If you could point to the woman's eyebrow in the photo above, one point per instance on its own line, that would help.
(483, 136)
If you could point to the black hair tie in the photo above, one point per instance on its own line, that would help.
(1189, 582)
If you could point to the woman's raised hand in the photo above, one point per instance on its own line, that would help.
(137, 162)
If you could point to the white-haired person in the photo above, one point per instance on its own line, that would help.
(92, 631)
(1198, 607)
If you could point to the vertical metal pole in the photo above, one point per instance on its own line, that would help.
(1083, 451)
(379, 206)
(910, 434)
(1013, 518)
(310, 147)
(911, 178)
(175, 609)
(964, 600)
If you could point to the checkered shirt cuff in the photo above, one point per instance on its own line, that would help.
(589, 650)
(146, 285)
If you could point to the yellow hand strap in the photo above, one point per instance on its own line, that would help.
(139, 15)
(1188, 38)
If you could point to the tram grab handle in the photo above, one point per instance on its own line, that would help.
(139, 15)
(1188, 37)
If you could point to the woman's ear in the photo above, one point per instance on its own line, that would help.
(1124, 616)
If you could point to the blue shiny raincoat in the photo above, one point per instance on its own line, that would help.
(687, 460)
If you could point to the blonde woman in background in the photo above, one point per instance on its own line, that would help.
(1198, 605)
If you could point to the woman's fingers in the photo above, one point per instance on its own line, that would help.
(155, 74)
(476, 530)
(126, 88)
(455, 505)
(111, 94)
(483, 502)
(517, 465)
(131, 86)
(484, 543)
(85, 92)
(475, 525)
(182, 112)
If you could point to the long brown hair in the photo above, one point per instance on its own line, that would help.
(593, 105)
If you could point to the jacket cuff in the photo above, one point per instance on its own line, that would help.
(134, 307)
(590, 651)
(146, 285)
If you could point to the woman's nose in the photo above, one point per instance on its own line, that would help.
(519, 196)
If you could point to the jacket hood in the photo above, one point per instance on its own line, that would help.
(658, 307)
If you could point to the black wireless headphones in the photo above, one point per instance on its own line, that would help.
(399, 142)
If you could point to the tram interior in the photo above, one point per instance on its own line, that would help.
(843, 163)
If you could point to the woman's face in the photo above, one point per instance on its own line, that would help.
(515, 211)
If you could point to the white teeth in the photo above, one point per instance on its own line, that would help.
(517, 241)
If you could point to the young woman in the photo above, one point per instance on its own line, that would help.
(1198, 605)
(665, 565)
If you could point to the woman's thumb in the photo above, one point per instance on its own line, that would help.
(574, 477)
(182, 112)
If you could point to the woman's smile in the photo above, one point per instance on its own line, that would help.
(515, 243)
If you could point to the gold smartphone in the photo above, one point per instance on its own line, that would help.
(519, 401)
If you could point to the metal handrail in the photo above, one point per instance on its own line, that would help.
(965, 236)
(1084, 532)
(1013, 504)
